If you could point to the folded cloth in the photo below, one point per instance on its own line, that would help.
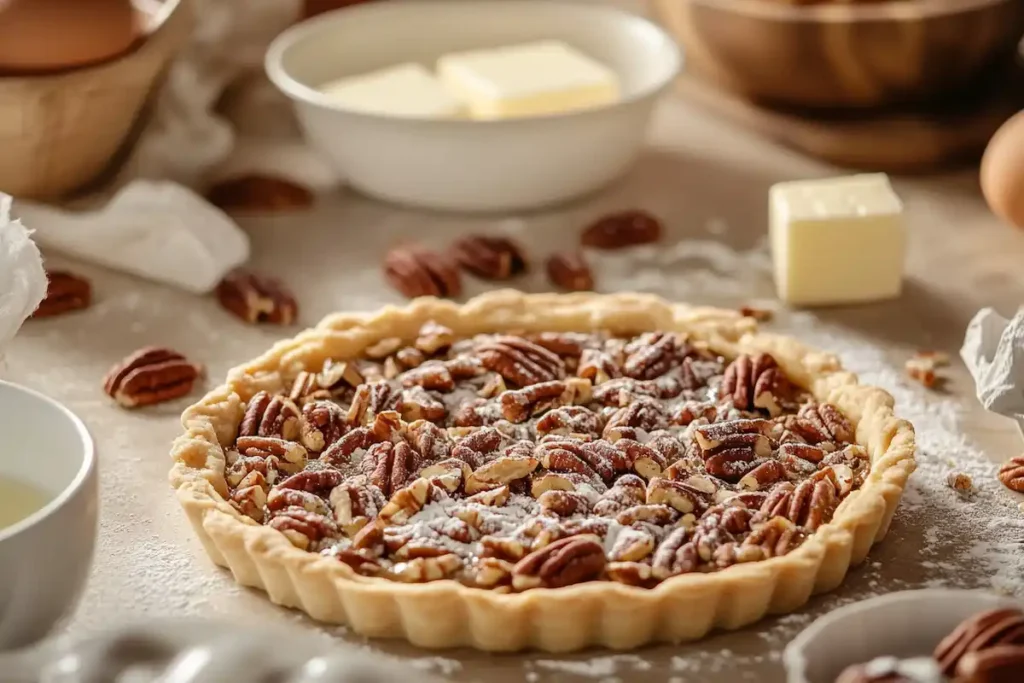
(22, 278)
(157, 230)
(993, 351)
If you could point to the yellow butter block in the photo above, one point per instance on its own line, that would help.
(547, 77)
(409, 90)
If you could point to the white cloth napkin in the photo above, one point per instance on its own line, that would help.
(993, 351)
(163, 230)
(22, 278)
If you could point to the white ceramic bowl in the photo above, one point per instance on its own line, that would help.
(45, 558)
(473, 165)
(904, 624)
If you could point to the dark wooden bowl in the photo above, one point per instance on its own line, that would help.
(844, 55)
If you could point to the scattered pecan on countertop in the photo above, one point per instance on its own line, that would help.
(65, 292)
(151, 375)
(622, 229)
(257, 298)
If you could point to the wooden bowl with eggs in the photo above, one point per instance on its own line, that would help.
(844, 53)
(67, 106)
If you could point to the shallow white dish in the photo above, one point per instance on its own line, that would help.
(468, 165)
(904, 624)
(45, 558)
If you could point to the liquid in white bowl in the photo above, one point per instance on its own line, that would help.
(18, 500)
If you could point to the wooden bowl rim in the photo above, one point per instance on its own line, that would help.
(847, 12)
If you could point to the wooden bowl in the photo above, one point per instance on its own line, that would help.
(60, 131)
(865, 54)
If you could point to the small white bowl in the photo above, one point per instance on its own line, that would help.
(466, 165)
(44, 558)
(904, 624)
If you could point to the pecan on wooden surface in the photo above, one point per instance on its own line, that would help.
(416, 271)
(151, 375)
(65, 292)
(259, 194)
(622, 229)
(256, 298)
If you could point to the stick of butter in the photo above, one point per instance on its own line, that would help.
(837, 240)
(403, 90)
(546, 77)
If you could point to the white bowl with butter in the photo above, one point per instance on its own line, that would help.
(48, 513)
(474, 105)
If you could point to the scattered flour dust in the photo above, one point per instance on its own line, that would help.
(951, 539)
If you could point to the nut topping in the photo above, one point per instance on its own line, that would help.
(415, 271)
(753, 382)
(569, 271)
(562, 563)
(521, 362)
(491, 258)
(623, 229)
(151, 375)
(65, 292)
(257, 299)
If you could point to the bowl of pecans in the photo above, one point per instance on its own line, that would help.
(831, 53)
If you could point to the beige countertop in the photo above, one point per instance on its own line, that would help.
(709, 183)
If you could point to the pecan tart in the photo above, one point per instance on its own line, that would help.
(545, 471)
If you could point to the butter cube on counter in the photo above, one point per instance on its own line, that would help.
(534, 79)
(409, 90)
(837, 240)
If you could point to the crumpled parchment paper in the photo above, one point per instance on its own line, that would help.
(22, 277)
(993, 351)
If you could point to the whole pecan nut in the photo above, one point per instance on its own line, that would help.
(65, 292)
(259, 193)
(622, 229)
(322, 424)
(416, 271)
(520, 406)
(491, 258)
(388, 466)
(1004, 626)
(256, 298)
(569, 271)
(500, 472)
(755, 382)
(267, 415)
(151, 375)
(1011, 474)
(521, 362)
(998, 663)
(563, 563)
(304, 528)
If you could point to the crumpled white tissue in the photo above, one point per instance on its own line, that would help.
(22, 277)
(993, 351)
(157, 230)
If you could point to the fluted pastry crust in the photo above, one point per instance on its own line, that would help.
(445, 614)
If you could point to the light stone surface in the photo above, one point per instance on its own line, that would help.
(709, 183)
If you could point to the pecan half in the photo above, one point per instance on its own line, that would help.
(406, 502)
(323, 423)
(776, 537)
(622, 229)
(491, 258)
(267, 415)
(681, 496)
(643, 414)
(259, 193)
(429, 440)
(521, 405)
(151, 375)
(370, 400)
(249, 500)
(998, 663)
(629, 490)
(654, 354)
(450, 474)
(319, 481)
(355, 505)
(256, 298)
(433, 375)
(500, 472)
(732, 449)
(416, 271)
(563, 563)
(65, 292)
(281, 498)
(1011, 474)
(521, 362)
(631, 573)
(988, 629)
(389, 466)
(819, 424)
(474, 447)
(569, 271)
(808, 505)
(755, 382)
(418, 404)
(675, 555)
(336, 376)
(598, 366)
(425, 569)
(570, 420)
(304, 528)
(433, 338)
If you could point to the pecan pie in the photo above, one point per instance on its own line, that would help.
(551, 471)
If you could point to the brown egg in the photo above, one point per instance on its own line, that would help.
(51, 35)
(1002, 172)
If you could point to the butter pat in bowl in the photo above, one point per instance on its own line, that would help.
(521, 137)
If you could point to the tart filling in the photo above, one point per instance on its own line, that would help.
(513, 462)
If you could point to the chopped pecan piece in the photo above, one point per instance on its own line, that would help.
(755, 382)
(763, 476)
(631, 573)
(569, 271)
(338, 376)
(570, 420)
(389, 466)
(521, 405)
(491, 572)
(643, 414)
(521, 362)
(151, 375)
(418, 404)
(281, 498)
(654, 354)
(306, 387)
(776, 537)
(959, 482)
(249, 500)
(304, 528)
(288, 452)
(415, 271)
(681, 496)
(65, 292)
(449, 474)
(689, 412)
(429, 440)
(562, 563)
(1011, 474)
(361, 561)
(433, 375)
(675, 555)
(622, 229)
(267, 415)
(259, 193)
(257, 299)
(598, 366)
(425, 569)
(323, 423)
(922, 366)
(406, 502)
(632, 545)
(319, 481)
(629, 490)
(370, 400)
(491, 258)
(474, 447)
(500, 472)
(434, 338)
(759, 314)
